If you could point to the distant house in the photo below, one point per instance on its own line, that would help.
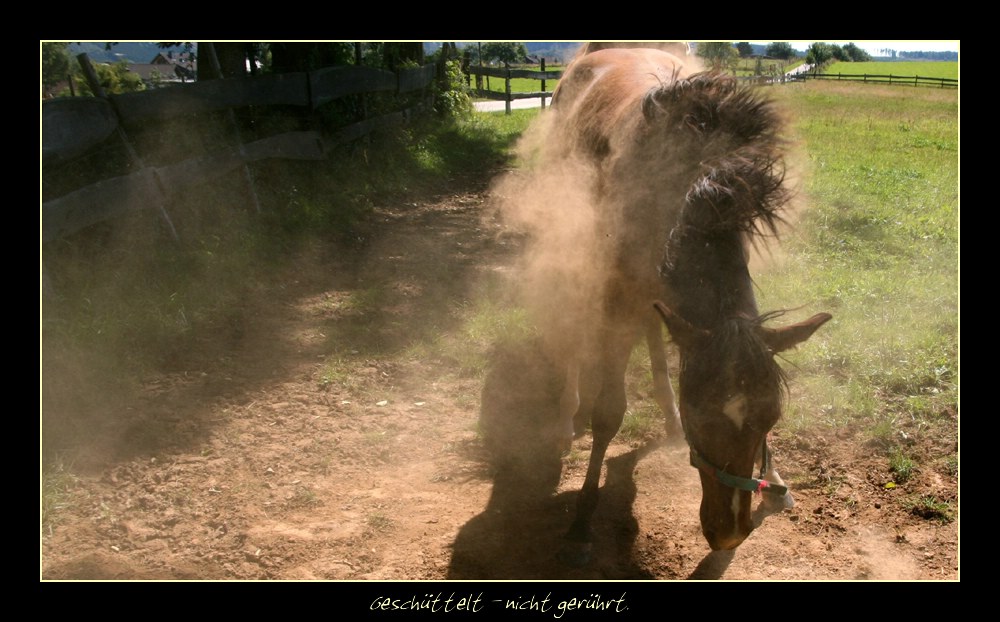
(167, 67)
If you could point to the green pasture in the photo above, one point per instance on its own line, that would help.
(876, 246)
(924, 69)
(521, 85)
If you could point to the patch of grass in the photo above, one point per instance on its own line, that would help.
(902, 466)
(303, 498)
(930, 508)
(642, 422)
(951, 465)
(57, 482)
(379, 522)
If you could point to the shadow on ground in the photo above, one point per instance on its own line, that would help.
(519, 532)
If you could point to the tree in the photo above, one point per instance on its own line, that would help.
(505, 52)
(856, 54)
(745, 49)
(819, 53)
(780, 49)
(55, 63)
(114, 79)
(718, 54)
(291, 57)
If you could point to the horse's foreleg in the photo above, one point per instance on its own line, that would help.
(663, 392)
(609, 411)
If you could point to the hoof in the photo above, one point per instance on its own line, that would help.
(576, 554)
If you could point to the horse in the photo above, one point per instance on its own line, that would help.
(683, 171)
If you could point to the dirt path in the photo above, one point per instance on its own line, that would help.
(252, 460)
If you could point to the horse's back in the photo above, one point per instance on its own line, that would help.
(601, 91)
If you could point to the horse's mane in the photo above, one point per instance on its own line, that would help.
(736, 195)
(734, 133)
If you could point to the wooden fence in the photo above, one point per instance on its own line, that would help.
(73, 127)
(506, 73)
(943, 83)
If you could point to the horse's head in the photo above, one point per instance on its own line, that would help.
(731, 394)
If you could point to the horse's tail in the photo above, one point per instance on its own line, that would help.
(735, 134)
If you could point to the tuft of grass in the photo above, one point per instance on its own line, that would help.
(930, 508)
(379, 522)
(642, 422)
(303, 498)
(902, 466)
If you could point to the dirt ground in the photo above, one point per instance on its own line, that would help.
(246, 460)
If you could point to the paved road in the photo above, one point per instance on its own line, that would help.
(495, 106)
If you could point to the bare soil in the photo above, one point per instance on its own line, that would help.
(243, 458)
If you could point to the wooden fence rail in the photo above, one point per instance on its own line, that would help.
(882, 79)
(72, 127)
(506, 73)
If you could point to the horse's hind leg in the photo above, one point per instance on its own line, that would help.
(663, 392)
(608, 414)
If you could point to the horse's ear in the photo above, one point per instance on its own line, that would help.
(781, 339)
(686, 335)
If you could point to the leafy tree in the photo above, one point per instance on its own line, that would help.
(839, 54)
(55, 63)
(718, 54)
(856, 54)
(506, 52)
(819, 53)
(291, 57)
(745, 49)
(114, 79)
(780, 49)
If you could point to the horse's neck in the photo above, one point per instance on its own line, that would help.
(710, 281)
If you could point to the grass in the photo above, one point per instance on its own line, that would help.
(522, 85)
(877, 248)
(930, 508)
(57, 482)
(924, 69)
(902, 466)
(379, 522)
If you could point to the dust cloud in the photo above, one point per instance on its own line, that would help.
(551, 203)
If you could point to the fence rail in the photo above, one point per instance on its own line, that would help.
(882, 79)
(73, 127)
(506, 74)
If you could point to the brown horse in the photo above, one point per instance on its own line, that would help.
(684, 169)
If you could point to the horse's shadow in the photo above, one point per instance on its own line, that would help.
(519, 532)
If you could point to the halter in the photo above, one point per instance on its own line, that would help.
(749, 484)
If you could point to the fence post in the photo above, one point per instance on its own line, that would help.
(213, 60)
(91, 76)
(507, 87)
(543, 84)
